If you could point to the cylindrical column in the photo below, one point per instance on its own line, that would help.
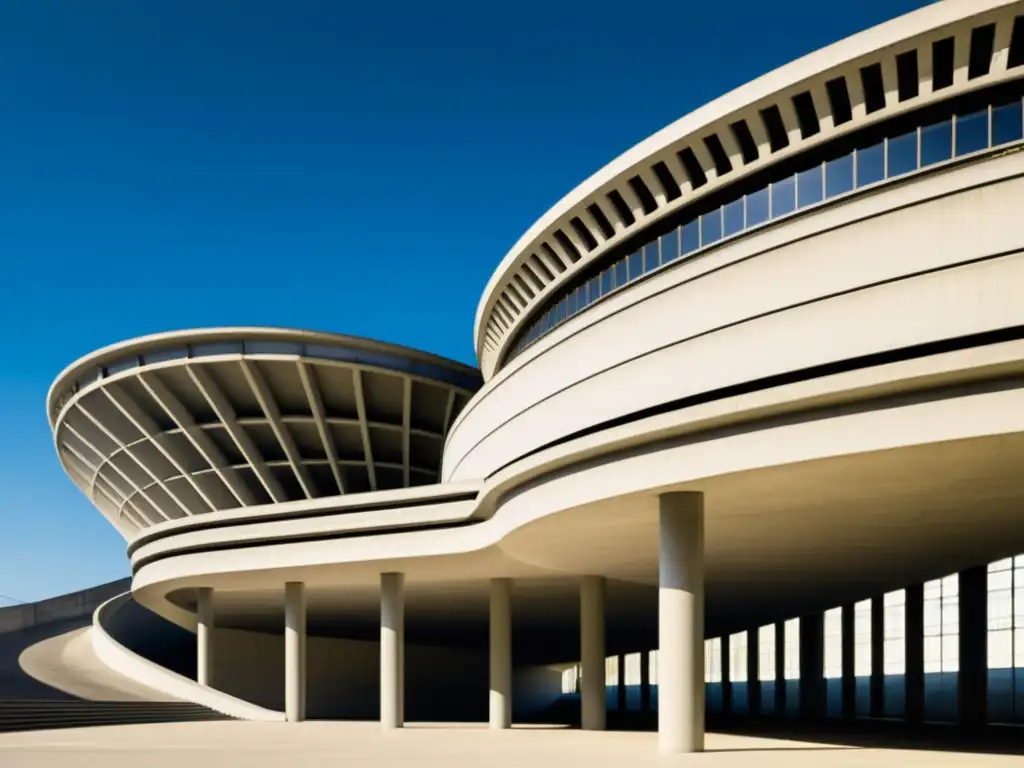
(501, 653)
(204, 636)
(295, 651)
(392, 640)
(593, 695)
(681, 623)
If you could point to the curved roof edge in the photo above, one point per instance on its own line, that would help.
(152, 341)
(860, 44)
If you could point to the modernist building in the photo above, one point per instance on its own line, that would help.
(752, 395)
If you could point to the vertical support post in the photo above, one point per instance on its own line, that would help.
(753, 672)
(877, 705)
(295, 651)
(914, 675)
(681, 623)
(620, 690)
(849, 680)
(592, 653)
(726, 675)
(392, 641)
(204, 636)
(973, 676)
(812, 666)
(780, 669)
(501, 654)
(645, 681)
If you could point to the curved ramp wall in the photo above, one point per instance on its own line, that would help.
(930, 260)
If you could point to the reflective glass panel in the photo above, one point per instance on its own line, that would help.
(839, 175)
(636, 263)
(163, 355)
(757, 207)
(217, 348)
(620, 274)
(783, 196)
(870, 164)
(971, 132)
(122, 365)
(669, 248)
(808, 187)
(936, 142)
(711, 227)
(570, 307)
(607, 281)
(1007, 123)
(732, 217)
(593, 289)
(650, 260)
(271, 348)
(902, 154)
(691, 236)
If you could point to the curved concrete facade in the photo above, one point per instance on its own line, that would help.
(811, 404)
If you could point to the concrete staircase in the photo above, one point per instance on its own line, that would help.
(39, 714)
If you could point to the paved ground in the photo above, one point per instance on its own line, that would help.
(280, 745)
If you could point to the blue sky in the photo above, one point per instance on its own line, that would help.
(352, 167)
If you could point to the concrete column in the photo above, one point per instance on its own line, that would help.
(849, 680)
(753, 676)
(972, 689)
(780, 669)
(726, 675)
(914, 676)
(295, 651)
(645, 681)
(681, 623)
(812, 666)
(592, 653)
(877, 706)
(204, 636)
(620, 688)
(501, 653)
(392, 642)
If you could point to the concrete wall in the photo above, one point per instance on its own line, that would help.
(871, 274)
(70, 606)
(442, 684)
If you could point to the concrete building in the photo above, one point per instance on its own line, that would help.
(748, 427)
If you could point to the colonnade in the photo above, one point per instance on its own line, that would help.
(680, 632)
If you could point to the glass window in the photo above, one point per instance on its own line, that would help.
(808, 187)
(1007, 123)
(732, 216)
(936, 142)
(164, 355)
(870, 164)
(593, 290)
(620, 273)
(669, 248)
(122, 365)
(217, 348)
(636, 263)
(902, 154)
(757, 207)
(571, 303)
(839, 175)
(607, 281)
(560, 312)
(711, 227)
(691, 236)
(783, 196)
(650, 260)
(971, 132)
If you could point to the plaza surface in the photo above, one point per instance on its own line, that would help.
(253, 745)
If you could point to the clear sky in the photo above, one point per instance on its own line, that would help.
(341, 166)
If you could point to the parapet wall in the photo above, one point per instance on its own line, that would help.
(70, 606)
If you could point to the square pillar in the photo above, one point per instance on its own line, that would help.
(620, 689)
(914, 675)
(753, 676)
(973, 676)
(812, 669)
(780, 669)
(877, 703)
(849, 681)
(645, 681)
